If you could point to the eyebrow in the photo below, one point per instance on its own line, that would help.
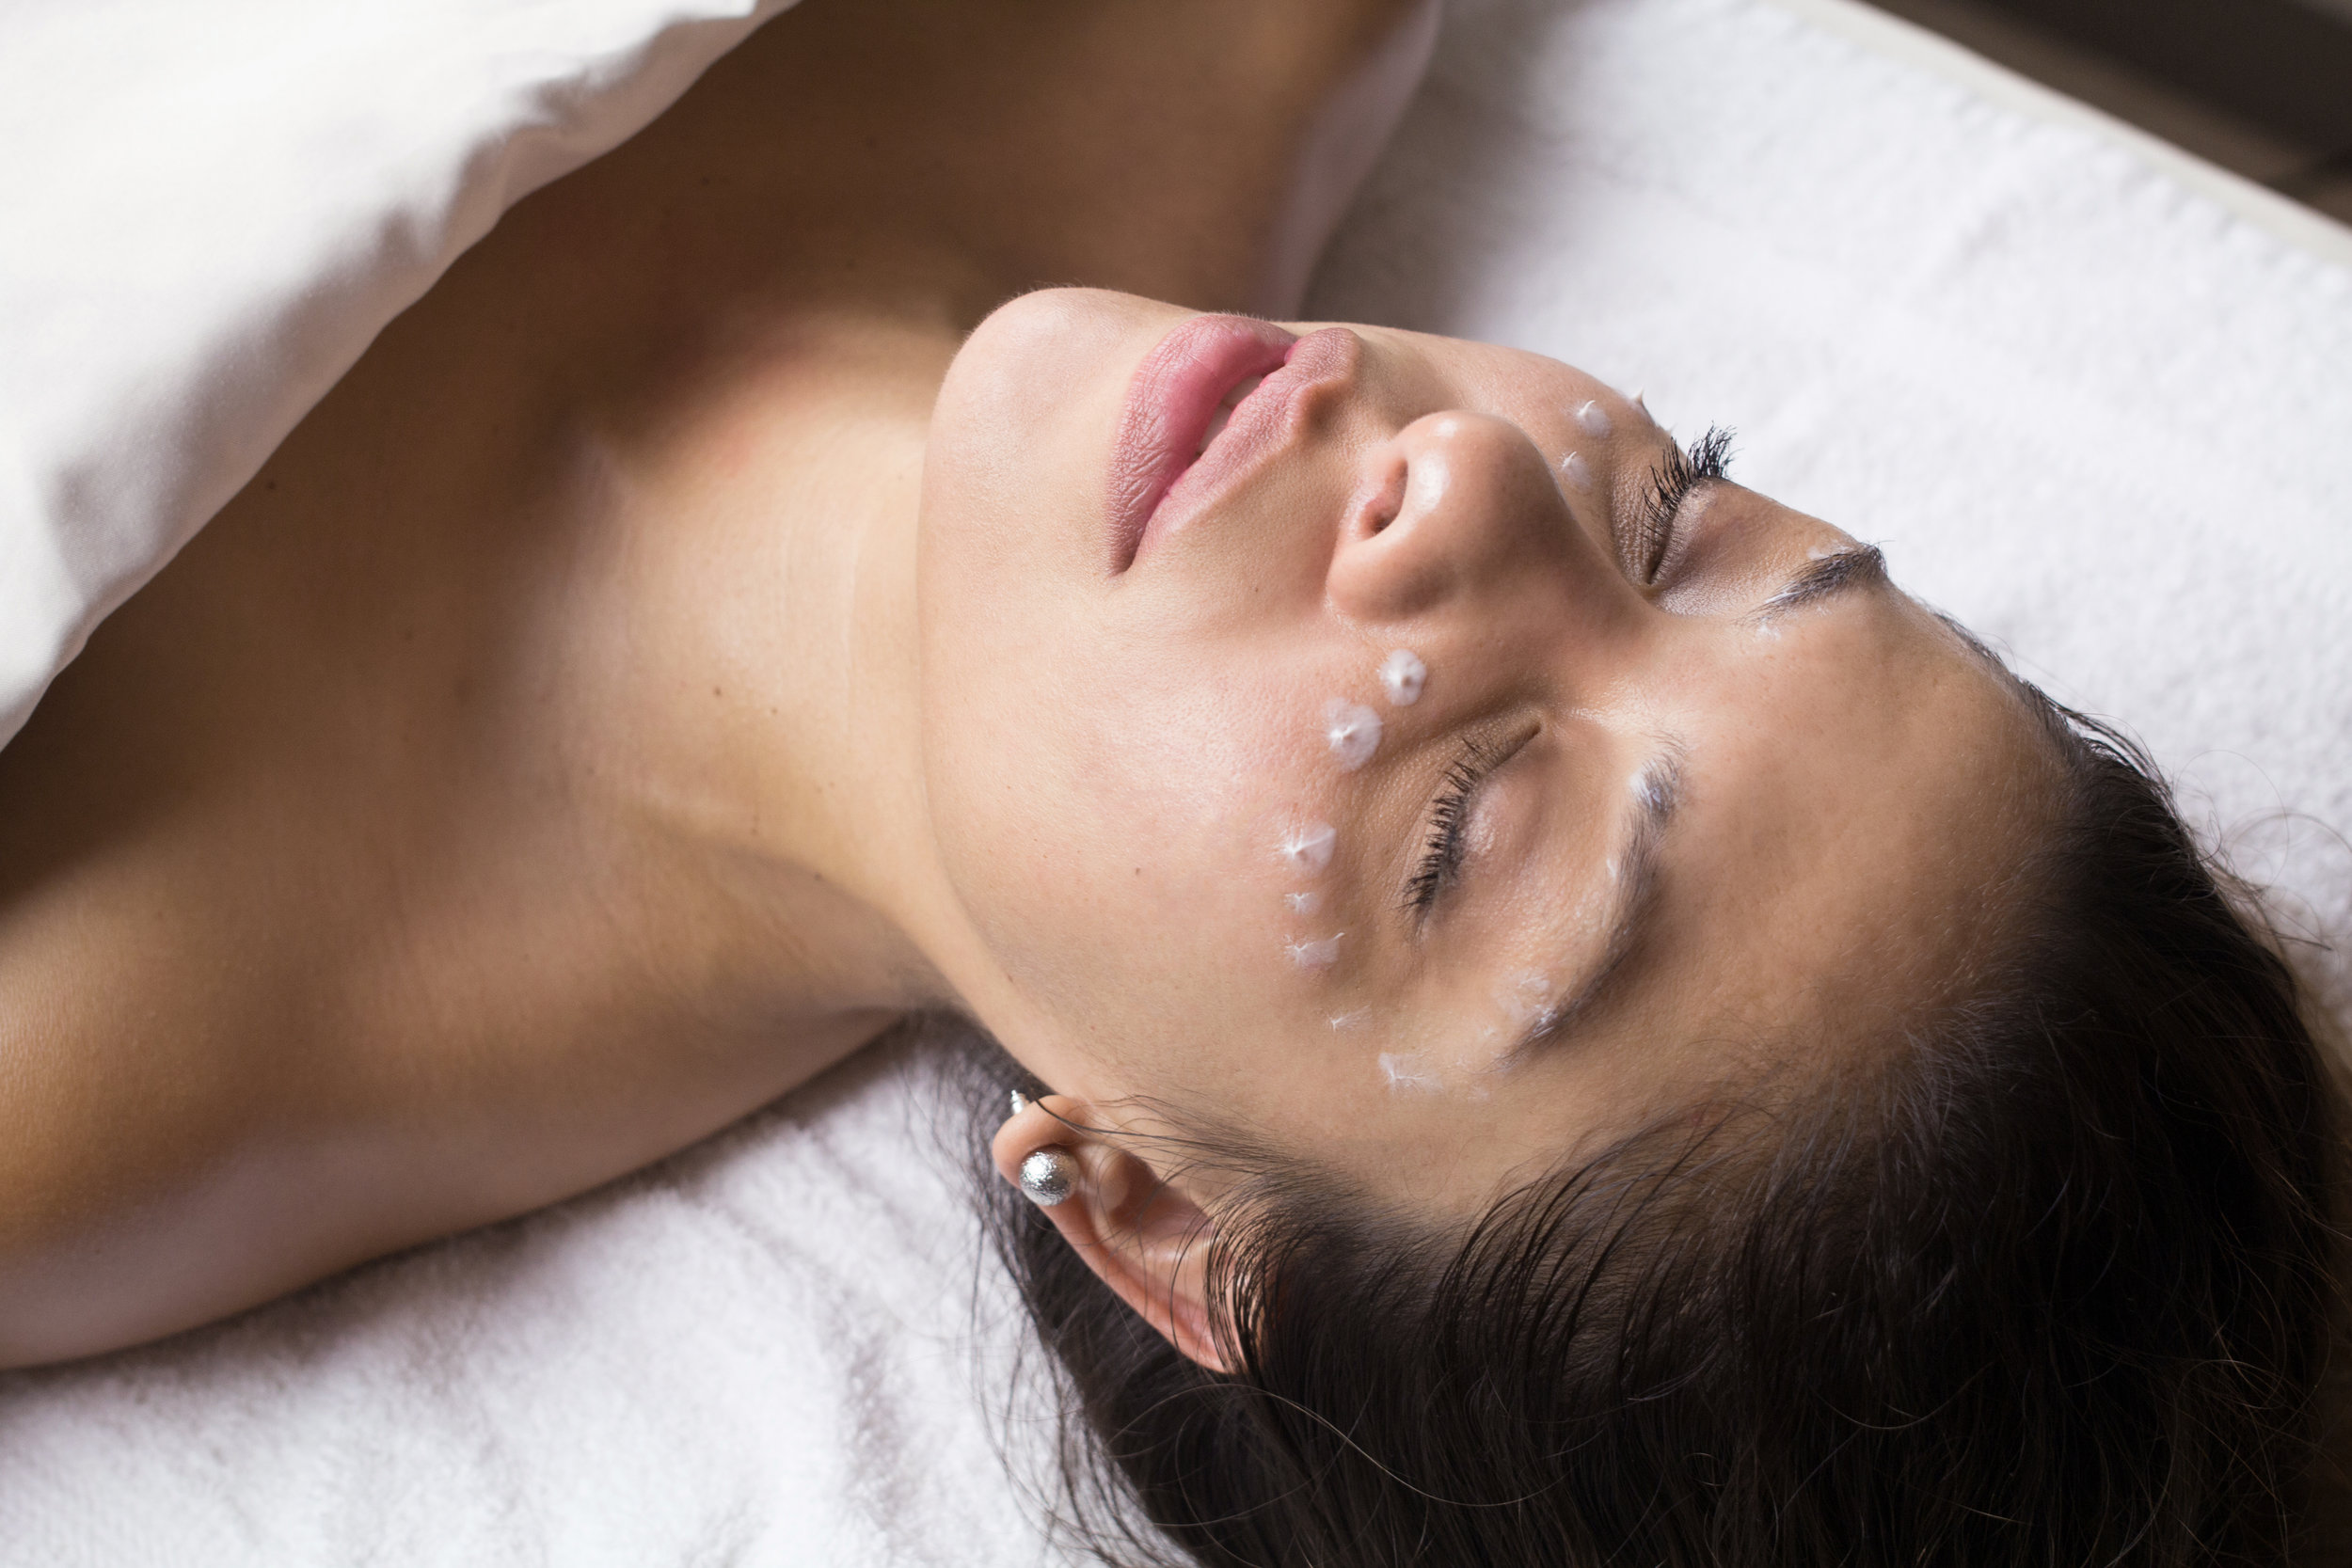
(1863, 567)
(1657, 792)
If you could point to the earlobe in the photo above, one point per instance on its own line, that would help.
(1142, 1235)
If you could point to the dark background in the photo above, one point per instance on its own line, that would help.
(2260, 87)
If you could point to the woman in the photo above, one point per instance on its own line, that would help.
(1583, 1024)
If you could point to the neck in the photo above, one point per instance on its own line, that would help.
(769, 695)
(745, 450)
(750, 307)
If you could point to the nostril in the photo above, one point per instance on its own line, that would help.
(1380, 499)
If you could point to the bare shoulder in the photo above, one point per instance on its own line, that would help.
(295, 970)
(343, 903)
(332, 914)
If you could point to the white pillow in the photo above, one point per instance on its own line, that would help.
(207, 212)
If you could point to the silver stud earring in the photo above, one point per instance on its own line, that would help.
(1019, 1102)
(1049, 1175)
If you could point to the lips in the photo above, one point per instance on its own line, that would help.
(1263, 424)
(1179, 392)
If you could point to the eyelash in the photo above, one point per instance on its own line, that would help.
(1682, 470)
(1441, 856)
(1679, 472)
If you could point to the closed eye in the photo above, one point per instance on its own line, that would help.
(1443, 841)
(1670, 482)
(1440, 860)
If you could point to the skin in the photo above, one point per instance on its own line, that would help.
(683, 646)
(1854, 782)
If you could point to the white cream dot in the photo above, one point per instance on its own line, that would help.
(1409, 1072)
(1594, 421)
(1316, 955)
(1352, 731)
(1578, 472)
(1303, 902)
(1402, 676)
(1524, 998)
(1307, 848)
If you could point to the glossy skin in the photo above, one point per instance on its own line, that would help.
(1113, 759)
(516, 782)
(626, 694)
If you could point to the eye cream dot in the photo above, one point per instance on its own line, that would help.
(1594, 420)
(1316, 955)
(1353, 733)
(1578, 472)
(1353, 1019)
(1524, 998)
(1307, 848)
(1303, 902)
(1401, 676)
(1409, 1072)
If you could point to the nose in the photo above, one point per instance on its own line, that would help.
(1454, 508)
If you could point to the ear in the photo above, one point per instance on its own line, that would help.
(1141, 1234)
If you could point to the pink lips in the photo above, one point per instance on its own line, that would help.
(1175, 395)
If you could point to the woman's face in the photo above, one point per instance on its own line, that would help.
(1426, 776)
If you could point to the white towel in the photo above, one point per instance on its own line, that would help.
(2093, 413)
(2100, 419)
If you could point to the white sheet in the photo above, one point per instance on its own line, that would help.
(2086, 407)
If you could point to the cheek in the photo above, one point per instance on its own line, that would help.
(1116, 826)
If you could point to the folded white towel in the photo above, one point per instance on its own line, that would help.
(2090, 411)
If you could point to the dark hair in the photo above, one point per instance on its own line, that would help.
(2045, 1281)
